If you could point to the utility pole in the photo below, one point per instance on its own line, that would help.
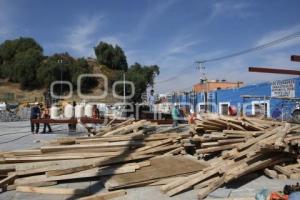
(203, 78)
(124, 88)
(60, 61)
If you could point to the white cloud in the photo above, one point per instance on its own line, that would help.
(231, 9)
(180, 44)
(277, 34)
(80, 38)
(177, 49)
(183, 74)
(234, 69)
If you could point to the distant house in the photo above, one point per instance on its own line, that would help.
(276, 99)
(211, 85)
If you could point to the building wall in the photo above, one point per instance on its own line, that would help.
(234, 96)
(210, 86)
(246, 105)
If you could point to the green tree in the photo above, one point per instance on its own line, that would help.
(9, 48)
(66, 68)
(26, 64)
(142, 78)
(14, 55)
(112, 57)
(119, 60)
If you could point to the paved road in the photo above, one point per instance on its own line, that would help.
(17, 135)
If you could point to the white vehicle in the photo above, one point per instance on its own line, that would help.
(103, 108)
(3, 106)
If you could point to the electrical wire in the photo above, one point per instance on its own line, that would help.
(59, 130)
(16, 139)
(256, 48)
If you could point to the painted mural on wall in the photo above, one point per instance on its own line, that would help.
(283, 88)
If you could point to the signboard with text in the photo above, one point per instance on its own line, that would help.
(283, 88)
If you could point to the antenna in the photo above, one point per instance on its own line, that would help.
(201, 68)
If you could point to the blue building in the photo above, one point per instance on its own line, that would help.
(276, 99)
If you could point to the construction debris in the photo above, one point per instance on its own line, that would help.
(215, 151)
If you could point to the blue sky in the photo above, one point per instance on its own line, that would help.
(170, 33)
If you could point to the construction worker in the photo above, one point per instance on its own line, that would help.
(175, 115)
(151, 100)
(46, 115)
(192, 116)
(35, 113)
(95, 112)
(72, 127)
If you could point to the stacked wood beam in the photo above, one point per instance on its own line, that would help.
(134, 154)
(120, 149)
(238, 147)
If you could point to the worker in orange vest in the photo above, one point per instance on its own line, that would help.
(46, 115)
(192, 116)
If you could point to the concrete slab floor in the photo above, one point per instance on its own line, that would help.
(17, 135)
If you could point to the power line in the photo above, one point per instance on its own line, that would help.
(256, 48)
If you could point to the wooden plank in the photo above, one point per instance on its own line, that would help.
(206, 183)
(128, 129)
(50, 190)
(60, 157)
(190, 183)
(209, 144)
(257, 139)
(282, 170)
(39, 167)
(63, 171)
(87, 146)
(213, 186)
(218, 148)
(105, 195)
(282, 177)
(247, 133)
(59, 172)
(161, 167)
(38, 184)
(24, 152)
(8, 179)
(159, 149)
(174, 151)
(7, 168)
(95, 172)
(295, 176)
(228, 141)
(270, 173)
(279, 141)
(154, 145)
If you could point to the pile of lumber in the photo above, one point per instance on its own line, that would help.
(120, 149)
(213, 135)
(238, 147)
(135, 154)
